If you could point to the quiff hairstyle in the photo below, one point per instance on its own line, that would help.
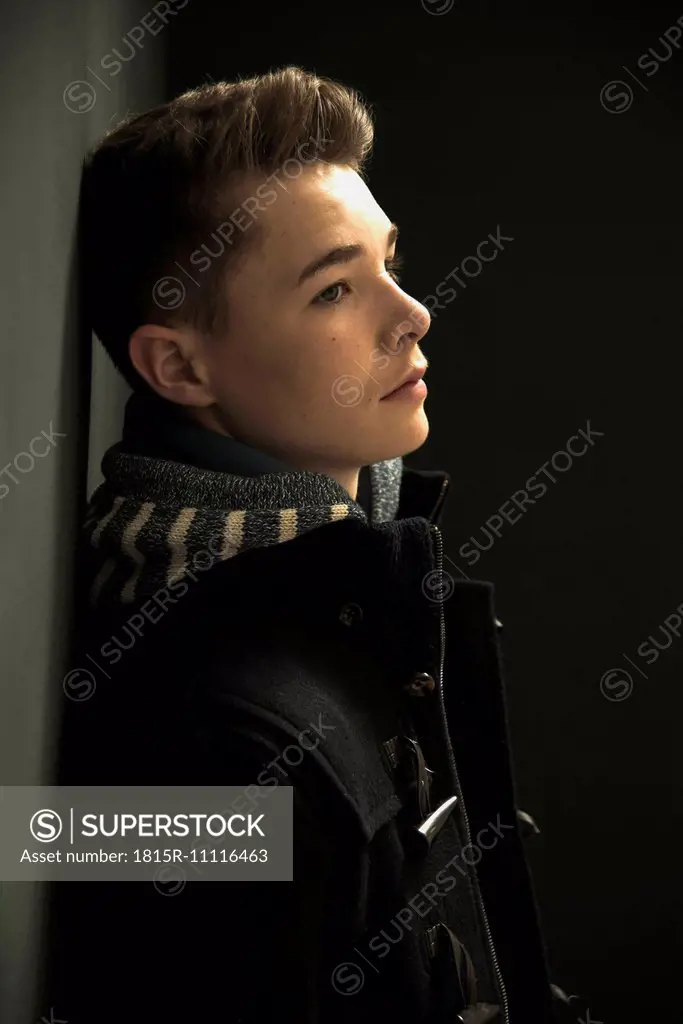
(159, 184)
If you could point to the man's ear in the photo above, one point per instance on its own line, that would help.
(170, 360)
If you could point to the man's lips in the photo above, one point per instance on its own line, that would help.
(412, 382)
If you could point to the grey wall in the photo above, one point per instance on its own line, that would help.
(45, 383)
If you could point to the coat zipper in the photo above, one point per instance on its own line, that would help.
(451, 758)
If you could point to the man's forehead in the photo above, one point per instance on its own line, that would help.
(322, 210)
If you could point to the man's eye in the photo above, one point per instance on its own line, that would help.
(330, 297)
(330, 288)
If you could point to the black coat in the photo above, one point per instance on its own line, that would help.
(357, 637)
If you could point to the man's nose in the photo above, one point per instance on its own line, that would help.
(413, 327)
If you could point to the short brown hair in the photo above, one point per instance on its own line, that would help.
(157, 186)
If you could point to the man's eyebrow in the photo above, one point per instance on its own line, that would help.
(342, 254)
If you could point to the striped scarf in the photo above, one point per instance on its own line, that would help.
(153, 523)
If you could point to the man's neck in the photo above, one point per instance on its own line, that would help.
(348, 478)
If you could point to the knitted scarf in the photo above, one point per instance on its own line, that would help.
(153, 522)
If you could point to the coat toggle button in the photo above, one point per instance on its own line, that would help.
(351, 614)
(422, 836)
(421, 684)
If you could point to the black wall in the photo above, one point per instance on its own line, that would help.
(489, 116)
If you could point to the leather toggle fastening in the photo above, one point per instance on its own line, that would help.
(405, 760)
(453, 977)
(422, 780)
(422, 836)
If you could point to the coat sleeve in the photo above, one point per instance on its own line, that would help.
(238, 952)
(283, 924)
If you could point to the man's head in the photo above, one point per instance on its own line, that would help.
(202, 221)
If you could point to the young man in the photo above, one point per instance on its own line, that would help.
(267, 600)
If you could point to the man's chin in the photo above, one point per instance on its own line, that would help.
(405, 437)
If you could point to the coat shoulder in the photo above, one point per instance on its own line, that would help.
(310, 726)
